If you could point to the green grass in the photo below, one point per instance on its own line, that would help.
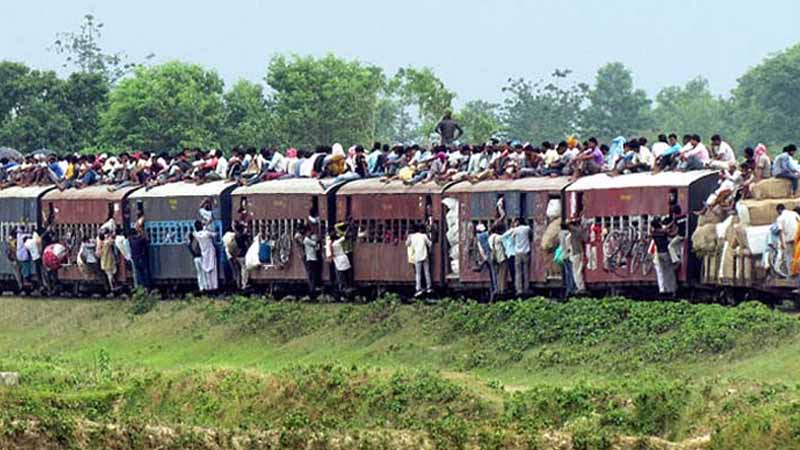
(455, 374)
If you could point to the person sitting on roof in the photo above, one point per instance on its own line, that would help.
(694, 156)
(645, 155)
(235, 169)
(786, 167)
(668, 158)
(554, 167)
(659, 147)
(122, 175)
(205, 167)
(729, 181)
(615, 152)
(762, 165)
(723, 156)
(632, 160)
(180, 168)
(357, 169)
(87, 175)
(398, 166)
(436, 170)
(534, 158)
(375, 159)
(589, 161)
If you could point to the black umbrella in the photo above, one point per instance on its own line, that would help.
(10, 153)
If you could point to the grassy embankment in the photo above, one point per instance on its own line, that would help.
(533, 374)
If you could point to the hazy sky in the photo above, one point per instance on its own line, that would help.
(473, 45)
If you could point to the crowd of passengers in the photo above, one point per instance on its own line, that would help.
(411, 164)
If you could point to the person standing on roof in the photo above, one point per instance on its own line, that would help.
(786, 167)
(447, 128)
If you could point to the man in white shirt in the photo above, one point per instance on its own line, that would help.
(787, 223)
(645, 156)
(694, 155)
(417, 244)
(660, 146)
(723, 155)
(730, 180)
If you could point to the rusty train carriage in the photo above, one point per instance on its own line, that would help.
(384, 214)
(170, 211)
(77, 214)
(276, 209)
(20, 207)
(524, 197)
(627, 204)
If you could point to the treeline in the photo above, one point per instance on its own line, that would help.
(110, 104)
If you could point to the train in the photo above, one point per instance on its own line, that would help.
(384, 213)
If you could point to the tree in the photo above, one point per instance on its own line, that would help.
(82, 50)
(248, 121)
(412, 103)
(767, 99)
(85, 98)
(165, 107)
(543, 110)
(323, 100)
(615, 107)
(480, 121)
(34, 110)
(691, 109)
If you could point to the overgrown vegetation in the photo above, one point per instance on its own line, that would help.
(203, 374)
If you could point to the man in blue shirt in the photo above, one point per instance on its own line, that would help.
(786, 167)
(54, 171)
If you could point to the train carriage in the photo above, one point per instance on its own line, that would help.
(169, 213)
(383, 214)
(277, 210)
(77, 214)
(620, 210)
(19, 206)
(537, 199)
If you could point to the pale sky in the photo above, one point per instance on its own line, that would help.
(473, 45)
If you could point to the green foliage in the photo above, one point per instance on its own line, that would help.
(765, 100)
(37, 109)
(248, 118)
(304, 400)
(693, 109)
(323, 100)
(638, 332)
(82, 51)
(142, 302)
(165, 107)
(544, 109)
(480, 120)
(615, 107)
